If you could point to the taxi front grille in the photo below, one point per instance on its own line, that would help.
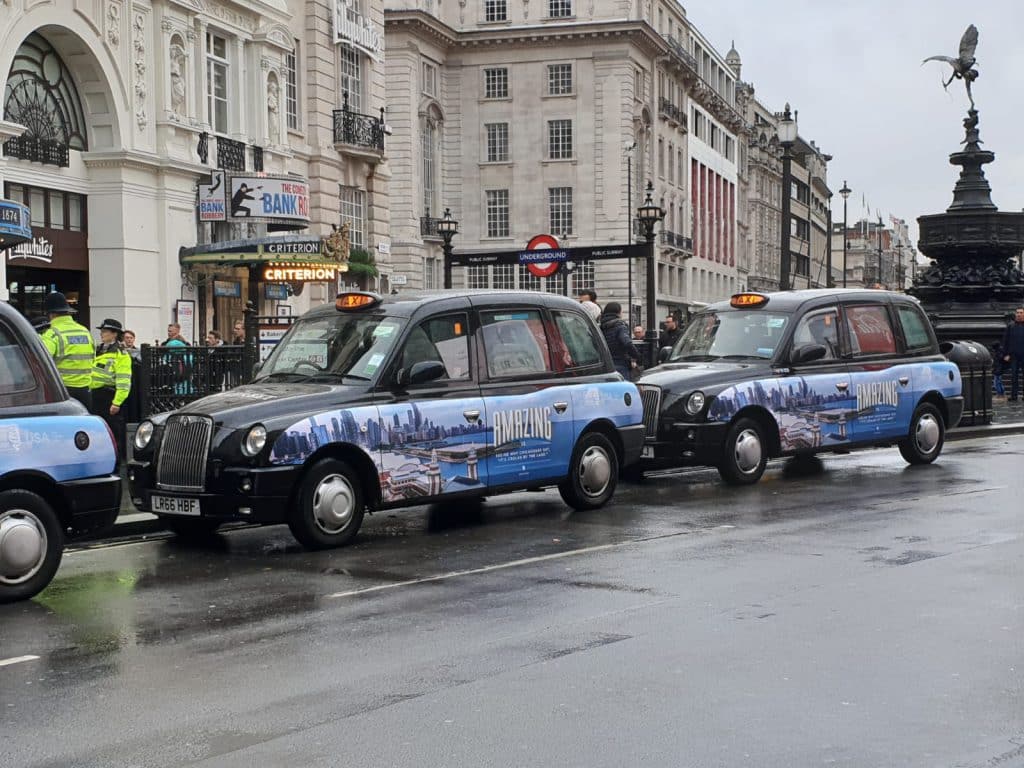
(650, 397)
(181, 464)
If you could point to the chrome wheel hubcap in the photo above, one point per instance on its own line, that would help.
(748, 451)
(595, 471)
(927, 433)
(23, 546)
(334, 504)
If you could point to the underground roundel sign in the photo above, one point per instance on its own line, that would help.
(542, 255)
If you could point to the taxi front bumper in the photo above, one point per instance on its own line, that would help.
(255, 495)
(684, 443)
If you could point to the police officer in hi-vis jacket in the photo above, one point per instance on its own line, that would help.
(70, 345)
(112, 379)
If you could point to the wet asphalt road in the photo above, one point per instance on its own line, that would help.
(856, 612)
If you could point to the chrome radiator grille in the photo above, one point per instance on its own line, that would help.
(181, 465)
(650, 396)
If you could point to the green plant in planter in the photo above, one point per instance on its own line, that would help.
(361, 267)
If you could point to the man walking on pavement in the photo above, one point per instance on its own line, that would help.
(671, 334)
(624, 355)
(112, 380)
(1013, 351)
(588, 298)
(70, 345)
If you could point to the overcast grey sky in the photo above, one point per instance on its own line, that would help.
(854, 72)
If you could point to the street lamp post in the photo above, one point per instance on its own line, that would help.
(629, 227)
(787, 137)
(845, 192)
(880, 282)
(447, 227)
(650, 214)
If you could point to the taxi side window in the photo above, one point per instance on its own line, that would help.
(870, 330)
(441, 338)
(515, 343)
(915, 329)
(578, 339)
(15, 372)
(820, 327)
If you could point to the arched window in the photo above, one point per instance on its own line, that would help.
(42, 96)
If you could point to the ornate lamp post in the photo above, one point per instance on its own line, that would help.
(447, 227)
(787, 137)
(845, 192)
(650, 214)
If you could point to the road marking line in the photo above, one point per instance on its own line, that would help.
(16, 660)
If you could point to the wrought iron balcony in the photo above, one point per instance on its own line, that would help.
(230, 154)
(669, 110)
(428, 227)
(358, 130)
(35, 150)
(677, 241)
(700, 90)
(257, 158)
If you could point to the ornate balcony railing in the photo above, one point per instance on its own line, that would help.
(230, 154)
(669, 110)
(701, 90)
(257, 158)
(676, 240)
(358, 130)
(35, 150)
(428, 227)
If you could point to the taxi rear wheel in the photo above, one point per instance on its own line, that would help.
(328, 509)
(923, 443)
(744, 454)
(31, 545)
(593, 473)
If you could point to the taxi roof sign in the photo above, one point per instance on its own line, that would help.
(750, 300)
(356, 300)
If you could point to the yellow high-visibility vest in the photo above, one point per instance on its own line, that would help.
(71, 347)
(113, 369)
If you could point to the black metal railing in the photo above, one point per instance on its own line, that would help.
(230, 154)
(171, 377)
(47, 151)
(704, 92)
(676, 240)
(672, 112)
(257, 158)
(428, 227)
(357, 129)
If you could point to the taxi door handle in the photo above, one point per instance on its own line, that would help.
(560, 407)
(842, 386)
(904, 380)
(471, 416)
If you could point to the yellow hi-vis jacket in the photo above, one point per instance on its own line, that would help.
(70, 346)
(113, 370)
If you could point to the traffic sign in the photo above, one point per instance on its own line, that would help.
(542, 268)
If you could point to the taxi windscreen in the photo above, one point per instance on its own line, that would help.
(736, 334)
(332, 347)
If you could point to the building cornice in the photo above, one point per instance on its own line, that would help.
(143, 161)
(9, 130)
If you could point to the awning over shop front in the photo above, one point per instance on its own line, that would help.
(15, 224)
(293, 249)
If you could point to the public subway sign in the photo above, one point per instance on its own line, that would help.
(276, 198)
(299, 273)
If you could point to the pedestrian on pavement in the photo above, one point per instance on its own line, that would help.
(588, 298)
(239, 332)
(213, 339)
(638, 333)
(998, 389)
(70, 345)
(129, 345)
(112, 380)
(1013, 351)
(671, 333)
(174, 334)
(616, 333)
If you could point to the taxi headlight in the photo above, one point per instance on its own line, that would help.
(695, 403)
(255, 440)
(143, 434)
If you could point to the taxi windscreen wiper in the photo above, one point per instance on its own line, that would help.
(696, 358)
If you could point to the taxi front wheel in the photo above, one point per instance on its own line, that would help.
(329, 506)
(923, 443)
(31, 545)
(593, 473)
(744, 454)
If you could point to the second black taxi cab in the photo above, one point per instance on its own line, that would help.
(799, 372)
(374, 403)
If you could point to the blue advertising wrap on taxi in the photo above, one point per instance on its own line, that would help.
(46, 445)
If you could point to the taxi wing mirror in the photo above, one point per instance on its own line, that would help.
(808, 353)
(664, 353)
(423, 371)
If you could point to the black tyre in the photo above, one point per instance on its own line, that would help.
(191, 528)
(328, 508)
(31, 545)
(744, 454)
(593, 473)
(927, 434)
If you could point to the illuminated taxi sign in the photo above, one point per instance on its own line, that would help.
(748, 300)
(347, 301)
(300, 273)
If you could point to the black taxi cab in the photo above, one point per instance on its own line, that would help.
(372, 403)
(799, 372)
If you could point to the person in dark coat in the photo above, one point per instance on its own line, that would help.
(1013, 351)
(616, 334)
(670, 335)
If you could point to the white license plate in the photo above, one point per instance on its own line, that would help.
(647, 452)
(174, 505)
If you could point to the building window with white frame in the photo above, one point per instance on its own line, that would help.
(476, 277)
(497, 213)
(495, 10)
(496, 83)
(559, 139)
(527, 280)
(351, 81)
(505, 277)
(559, 79)
(429, 273)
(217, 81)
(429, 151)
(497, 142)
(291, 88)
(353, 213)
(584, 277)
(560, 210)
(559, 9)
(429, 79)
